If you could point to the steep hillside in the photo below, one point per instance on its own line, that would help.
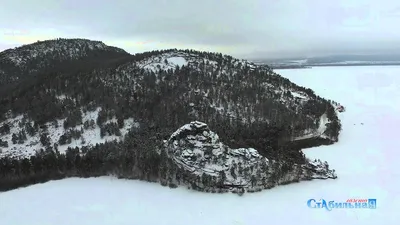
(150, 95)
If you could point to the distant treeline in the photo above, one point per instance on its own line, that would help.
(290, 67)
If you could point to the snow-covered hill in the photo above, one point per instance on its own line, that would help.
(213, 70)
(261, 118)
(43, 56)
(216, 74)
(171, 59)
(365, 159)
(65, 49)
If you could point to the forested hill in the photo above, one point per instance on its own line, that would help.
(52, 55)
(122, 108)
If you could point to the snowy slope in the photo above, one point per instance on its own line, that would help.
(365, 160)
(169, 60)
(165, 61)
(89, 137)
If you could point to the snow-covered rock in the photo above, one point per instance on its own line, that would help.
(321, 170)
(195, 148)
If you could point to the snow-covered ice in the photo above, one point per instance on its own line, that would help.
(365, 159)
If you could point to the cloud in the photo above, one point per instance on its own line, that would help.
(253, 27)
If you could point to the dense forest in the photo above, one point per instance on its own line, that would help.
(246, 105)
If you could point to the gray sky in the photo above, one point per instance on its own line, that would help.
(247, 28)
